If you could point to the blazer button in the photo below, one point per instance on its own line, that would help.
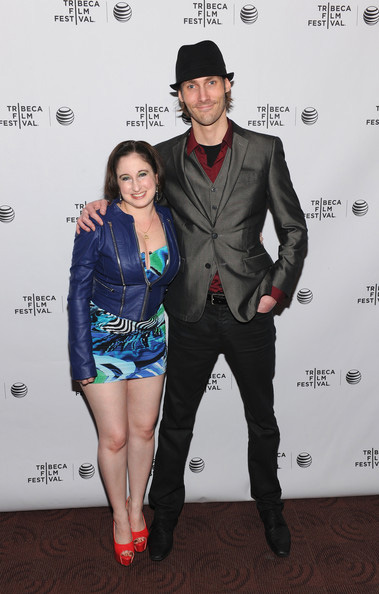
(207, 265)
(214, 235)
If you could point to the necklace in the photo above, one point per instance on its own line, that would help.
(146, 233)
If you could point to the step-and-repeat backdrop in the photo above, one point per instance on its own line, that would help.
(79, 76)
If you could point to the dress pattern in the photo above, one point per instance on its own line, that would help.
(125, 349)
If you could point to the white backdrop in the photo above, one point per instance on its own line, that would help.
(79, 76)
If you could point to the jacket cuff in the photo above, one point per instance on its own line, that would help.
(278, 295)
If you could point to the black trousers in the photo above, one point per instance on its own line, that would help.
(193, 348)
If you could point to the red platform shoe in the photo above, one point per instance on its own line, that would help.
(140, 537)
(124, 553)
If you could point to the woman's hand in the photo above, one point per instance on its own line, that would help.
(88, 380)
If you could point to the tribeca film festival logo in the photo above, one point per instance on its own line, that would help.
(78, 12)
(326, 378)
(37, 305)
(331, 16)
(285, 462)
(269, 116)
(324, 208)
(148, 116)
(373, 120)
(370, 459)
(206, 13)
(47, 473)
(371, 296)
(19, 116)
(330, 208)
(78, 206)
(218, 381)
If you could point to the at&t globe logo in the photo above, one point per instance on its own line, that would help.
(19, 390)
(65, 116)
(249, 14)
(353, 376)
(371, 15)
(122, 12)
(360, 208)
(304, 460)
(304, 296)
(309, 116)
(7, 214)
(86, 470)
(197, 465)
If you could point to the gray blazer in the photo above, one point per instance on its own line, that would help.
(228, 240)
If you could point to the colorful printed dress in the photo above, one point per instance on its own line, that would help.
(124, 349)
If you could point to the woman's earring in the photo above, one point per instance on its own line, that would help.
(156, 198)
(120, 198)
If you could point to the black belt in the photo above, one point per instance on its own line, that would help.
(217, 298)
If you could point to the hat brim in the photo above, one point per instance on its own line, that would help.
(176, 85)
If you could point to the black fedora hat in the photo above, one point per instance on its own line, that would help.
(201, 59)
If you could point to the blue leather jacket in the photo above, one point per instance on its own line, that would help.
(107, 269)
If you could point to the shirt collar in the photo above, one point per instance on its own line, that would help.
(192, 142)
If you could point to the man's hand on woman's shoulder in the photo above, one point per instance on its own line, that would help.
(90, 212)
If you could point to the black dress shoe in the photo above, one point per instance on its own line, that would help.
(160, 540)
(276, 531)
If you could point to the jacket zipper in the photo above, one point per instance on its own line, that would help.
(119, 266)
(104, 285)
(176, 243)
(148, 284)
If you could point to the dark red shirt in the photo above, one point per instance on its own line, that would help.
(212, 172)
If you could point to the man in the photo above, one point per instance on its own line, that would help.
(221, 180)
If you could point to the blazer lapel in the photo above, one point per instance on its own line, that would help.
(239, 148)
(178, 153)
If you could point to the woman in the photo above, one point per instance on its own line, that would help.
(119, 275)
